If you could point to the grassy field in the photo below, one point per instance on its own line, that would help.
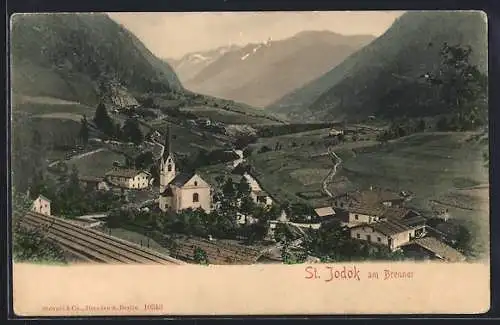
(186, 141)
(49, 105)
(226, 116)
(285, 174)
(434, 167)
(97, 164)
(137, 238)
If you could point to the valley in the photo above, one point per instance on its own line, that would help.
(279, 151)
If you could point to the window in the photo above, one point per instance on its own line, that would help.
(379, 239)
(169, 167)
(196, 197)
(368, 237)
(195, 183)
(358, 236)
(356, 217)
(45, 205)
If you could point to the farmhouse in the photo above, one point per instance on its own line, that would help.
(128, 178)
(258, 195)
(432, 248)
(334, 132)
(373, 196)
(389, 233)
(181, 191)
(94, 183)
(359, 214)
(41, 205)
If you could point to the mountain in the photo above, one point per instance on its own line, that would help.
(72, 56)
(379, 79)
(192, 63)
(258, 74)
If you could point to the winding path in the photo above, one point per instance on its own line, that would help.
(332, 173)
(78, 156)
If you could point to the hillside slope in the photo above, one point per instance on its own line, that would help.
(377, 78)
(68, 56)
(259, 74)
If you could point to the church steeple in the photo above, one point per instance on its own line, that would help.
(168, 143)
(167, 163)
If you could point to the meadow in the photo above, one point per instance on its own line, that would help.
(226, 116)
(97, 164)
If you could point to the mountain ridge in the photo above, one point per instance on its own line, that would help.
(247, 74)
(69, 56)
(359, 85)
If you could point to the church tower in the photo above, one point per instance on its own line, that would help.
(167, 163)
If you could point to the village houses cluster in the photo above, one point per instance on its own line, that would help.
(374, 215)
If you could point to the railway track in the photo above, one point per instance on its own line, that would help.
(92, 245)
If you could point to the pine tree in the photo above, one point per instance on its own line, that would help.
(84, 130)
(103, 121)
(132, 131)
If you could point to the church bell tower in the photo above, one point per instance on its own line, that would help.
(167, 163)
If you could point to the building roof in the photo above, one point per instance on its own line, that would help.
(91, 179)
(386, 227)
(372, 196)
(439, 248)
(414, 221)
(181, 179)
(260, 193)
(325, 211)
(42, 197)
(396, 213)
(125, 172)
(372, 210)
(167, 192)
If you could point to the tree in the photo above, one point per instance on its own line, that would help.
(84, 130)
(132, 131)
(421, 126)
(118, 131)
(461, 86)
(442, 124)
(243, 188)
(200, 256)
(103, 121)
(144, 160)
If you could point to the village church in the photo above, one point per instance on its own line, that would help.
(180, 191)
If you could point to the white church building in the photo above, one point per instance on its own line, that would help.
(181, 191)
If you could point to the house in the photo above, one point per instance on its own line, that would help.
(261, 197)
(359, 214)
(258, 195)
(371, 196)
(128, 178)
(180, 191)
(407, 217)
(41, 205)
(94, 183)
(324, 212)
(366, 206)
(390, 233)
(245, 220)
(432, 248)
(204, 121)
(334, 132)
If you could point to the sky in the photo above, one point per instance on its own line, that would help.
(171, 35)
